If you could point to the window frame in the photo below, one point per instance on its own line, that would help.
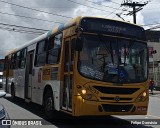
(57, 50)
(23, 58)
(36, 63)
(13, 61)
(17, 60)
(47, 49)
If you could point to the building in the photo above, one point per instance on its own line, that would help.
(153, 41)
(153, 36)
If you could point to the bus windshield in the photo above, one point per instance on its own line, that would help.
(112, 59)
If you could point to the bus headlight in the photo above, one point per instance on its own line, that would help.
(142, 96)
(85, 93)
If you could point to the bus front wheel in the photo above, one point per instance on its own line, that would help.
(49, 104)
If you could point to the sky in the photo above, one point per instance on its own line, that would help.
(47, 14)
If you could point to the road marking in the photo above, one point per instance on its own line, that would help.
(154, 116)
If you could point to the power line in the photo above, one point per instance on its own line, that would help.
(155, 27)
(22, 31)
(101, 4)
(119, 14)
(155, 3)
(28, 17)
(34, 9)
(23, 27)
(135, 10)
(150, 24)
(107, 6)
(112, 2)
(88, 6)
(113, 12)
(151, 9)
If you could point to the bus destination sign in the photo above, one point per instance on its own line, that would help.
(112, 27)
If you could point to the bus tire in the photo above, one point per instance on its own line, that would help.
(13, 97)
(49, 105)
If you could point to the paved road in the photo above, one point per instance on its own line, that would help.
(22, 110)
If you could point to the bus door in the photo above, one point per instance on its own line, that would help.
(7, 67)
(68, 74)
(28, 74)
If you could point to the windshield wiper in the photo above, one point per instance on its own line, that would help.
(102, 40)
(125, 54)
(111, 52)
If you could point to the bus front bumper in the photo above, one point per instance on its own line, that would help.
(90, 108)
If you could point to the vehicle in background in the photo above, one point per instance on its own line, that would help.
(3, 113)
(1, 71)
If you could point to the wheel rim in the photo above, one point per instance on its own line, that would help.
(49, 104)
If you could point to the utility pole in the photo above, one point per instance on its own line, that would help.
(119, 15)
(133, 5)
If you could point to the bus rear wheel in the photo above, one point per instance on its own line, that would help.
(49, 105)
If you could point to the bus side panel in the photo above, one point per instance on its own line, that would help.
(4, 81)
(37, 85)
(8, 80)
(7, 87)
(55, 85)
(19, 82)
(56, 94)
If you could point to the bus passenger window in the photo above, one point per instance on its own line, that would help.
(18, 59)
(5, 63)
(72, 54)
(13, 61)
(66, 60)
(50, 43)
(22, 58)
(40, 58)
(54, 47)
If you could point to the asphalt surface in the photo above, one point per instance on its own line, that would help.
(21, 111)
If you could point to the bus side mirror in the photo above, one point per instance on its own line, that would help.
(78, 44)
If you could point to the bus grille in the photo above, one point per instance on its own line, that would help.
(116, 90)
(116, 108)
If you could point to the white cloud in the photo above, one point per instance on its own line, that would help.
(10, 40)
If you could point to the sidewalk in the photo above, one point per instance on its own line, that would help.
(155, 92)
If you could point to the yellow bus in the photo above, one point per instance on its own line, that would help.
(86, 67)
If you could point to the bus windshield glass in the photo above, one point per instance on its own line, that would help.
(112, 59)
